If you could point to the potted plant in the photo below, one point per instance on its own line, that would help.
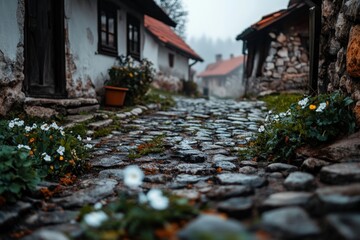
(128, 78)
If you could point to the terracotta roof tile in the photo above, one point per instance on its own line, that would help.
(223, 67)
(166, 35)
(269, 19)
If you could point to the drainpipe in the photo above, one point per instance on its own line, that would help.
(245, 79)
(314, 33)
(190, 65)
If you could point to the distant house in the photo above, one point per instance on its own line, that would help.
(224, 78)
(277, 51)
(169, 53)
(55, 54)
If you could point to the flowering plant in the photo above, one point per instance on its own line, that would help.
(134, 75)
(135, 216)
(53, 151)
(312, 120)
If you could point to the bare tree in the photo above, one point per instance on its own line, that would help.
(176, 11)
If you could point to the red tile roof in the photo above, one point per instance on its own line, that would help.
(223, 67)
(269, 19)
(166, 35)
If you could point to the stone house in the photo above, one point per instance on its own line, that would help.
(224, 78)
(170, 54)
(55, 54)
(277, 51)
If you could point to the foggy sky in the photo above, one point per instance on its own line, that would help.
(226, 18)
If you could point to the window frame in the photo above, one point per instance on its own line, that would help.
(131, 23)
(171, 58)
(110, 13)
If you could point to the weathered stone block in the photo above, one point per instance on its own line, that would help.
(353, 52)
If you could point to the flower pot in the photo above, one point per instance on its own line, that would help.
(115, 96)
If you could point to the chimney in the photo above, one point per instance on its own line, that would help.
(218, 57)
(231, 56)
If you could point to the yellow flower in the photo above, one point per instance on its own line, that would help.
(52, 167)
(312, 107)
(131, 75)
(61, 158)
(31, 153)
(32, 140)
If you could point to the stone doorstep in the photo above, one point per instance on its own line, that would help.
(66, 103)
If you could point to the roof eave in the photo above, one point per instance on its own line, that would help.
(149, 7)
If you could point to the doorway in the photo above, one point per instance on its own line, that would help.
(45, 49)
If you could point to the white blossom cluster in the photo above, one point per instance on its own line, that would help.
(133, 178)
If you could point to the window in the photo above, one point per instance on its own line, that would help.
(133, 40)
(107, 24)
(171, 60)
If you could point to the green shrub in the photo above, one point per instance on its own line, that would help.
(280, 102)
(136, 76)
(17, 172)
(312, 121)
(54, 151)
(190, 88)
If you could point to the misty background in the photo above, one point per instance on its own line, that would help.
(208, 47)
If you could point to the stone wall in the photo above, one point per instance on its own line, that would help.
(287, 65)
(11, 69)
(340, 49)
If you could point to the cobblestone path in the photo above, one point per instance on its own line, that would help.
(313, 199)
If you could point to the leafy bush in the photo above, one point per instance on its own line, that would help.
(17, 173)
(190, 88)
(312, 121)
(136, 76)
(280, 102)
(53, 151)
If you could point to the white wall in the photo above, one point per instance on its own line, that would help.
(151, 49)
(83, 35)
(9, 29)
(181, 64)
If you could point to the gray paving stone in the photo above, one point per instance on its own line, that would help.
(240, 207)
(213, 227)
(10, 213)
(299, 181)
(285, 199)
(343, 226)
(281, 167)
(239, 178)
(225, 165)
(223, 192)
(289, 223)
(340, 173)
(91, 191)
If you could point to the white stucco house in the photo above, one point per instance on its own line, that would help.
(171, 55)
(223, 78)
(55, 54)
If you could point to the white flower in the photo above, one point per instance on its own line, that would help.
(88, 139)
(20, 146)
(157, 200)
(261, 129)
(88, 146)
(54, 125)
(79, 138)
(288, 112)
(33, 126)
(95, 219)
(276, 118)
(11, 124)
(44, 127)
(303, 102)
(321, 107)
(133, 176)
(98, 205)
(282, 114)
(142, 198)
(46, 157)
(270, 112)
(20, 123)
(27, 129)
(61, 150)
(62, 133)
